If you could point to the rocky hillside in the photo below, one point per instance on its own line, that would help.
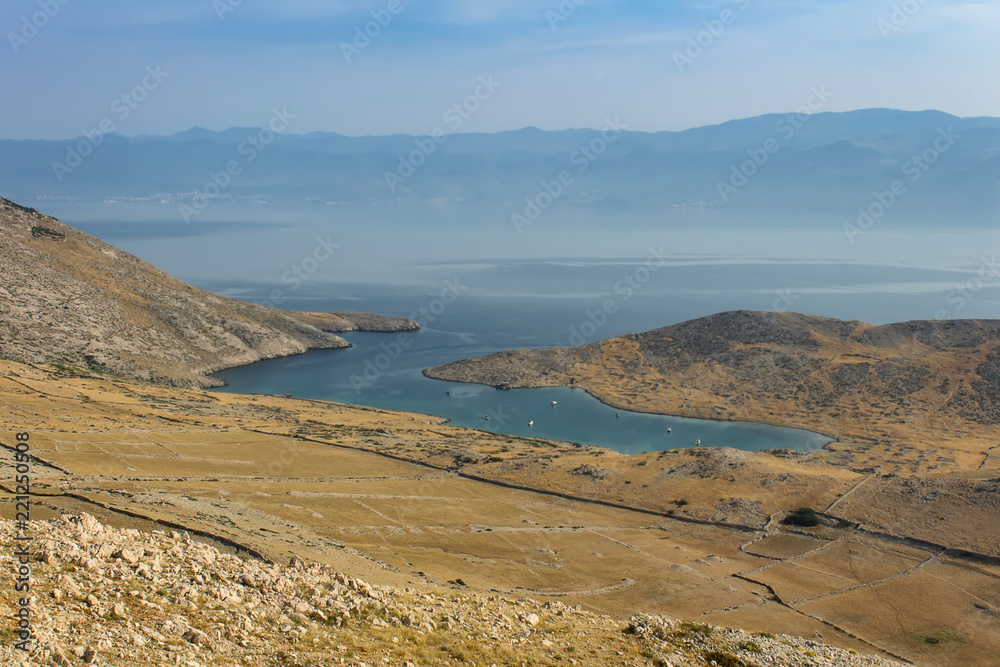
(123, 597)
(913, 382)
(67, 297)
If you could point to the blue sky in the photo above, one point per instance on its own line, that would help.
(230, 63)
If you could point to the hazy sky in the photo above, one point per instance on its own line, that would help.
(65, 64)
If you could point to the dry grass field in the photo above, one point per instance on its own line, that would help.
(405, 500)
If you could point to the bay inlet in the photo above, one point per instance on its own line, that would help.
(555, 413)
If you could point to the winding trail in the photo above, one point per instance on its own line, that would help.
(873, 582)
(621, 585)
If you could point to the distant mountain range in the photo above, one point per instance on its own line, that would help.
(777, 168)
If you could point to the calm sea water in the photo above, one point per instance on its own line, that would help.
(471, 309)
(353, 376)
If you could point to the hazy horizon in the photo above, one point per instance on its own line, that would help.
(379, 67)
(221, 139)
(597, 126)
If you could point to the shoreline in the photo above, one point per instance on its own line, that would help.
(599, 399)
(210, 372)
(222, 383)
(571, 443)
(442, 420)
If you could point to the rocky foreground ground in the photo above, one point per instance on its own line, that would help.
(123, 597)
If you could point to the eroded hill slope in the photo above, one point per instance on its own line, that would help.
(931, 388)
(68, 297)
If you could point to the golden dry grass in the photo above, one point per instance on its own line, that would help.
(282, 476)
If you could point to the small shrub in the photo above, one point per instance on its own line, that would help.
(939, 637)
(697, 628)
(752, 647)
(804, 516)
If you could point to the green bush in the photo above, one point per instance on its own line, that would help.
(804, 516)
(939, 637)
(697, 628)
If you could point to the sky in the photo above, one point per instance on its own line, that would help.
(66, 66)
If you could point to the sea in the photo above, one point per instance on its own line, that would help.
(467, 310)
(474, 297)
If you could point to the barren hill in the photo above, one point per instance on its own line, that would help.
(70, 298)
(922, 383)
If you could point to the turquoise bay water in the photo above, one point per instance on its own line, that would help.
(339, 375)
(500, 305)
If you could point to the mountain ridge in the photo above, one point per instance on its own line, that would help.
(828, 163)
(197, 132)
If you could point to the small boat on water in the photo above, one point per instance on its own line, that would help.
(555, 402)
(697, 442)
(531, 423)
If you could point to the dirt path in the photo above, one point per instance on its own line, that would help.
(851, 490)
(874, 582)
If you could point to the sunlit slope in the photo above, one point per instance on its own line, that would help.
(71, 298)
